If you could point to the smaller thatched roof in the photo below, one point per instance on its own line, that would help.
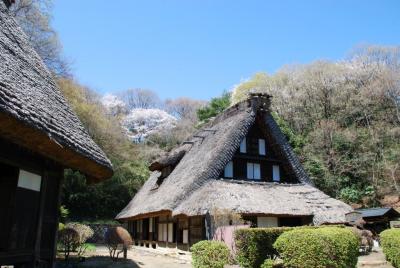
(194, 186)
(33, 112)
(170, 159)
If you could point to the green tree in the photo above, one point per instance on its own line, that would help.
(215, 107)
(105, 199)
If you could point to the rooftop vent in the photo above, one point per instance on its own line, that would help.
(260, 101)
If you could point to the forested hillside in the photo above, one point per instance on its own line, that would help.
(165, 124)
(342, 118)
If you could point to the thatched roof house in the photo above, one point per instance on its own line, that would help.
(39, 136)
(239, 162)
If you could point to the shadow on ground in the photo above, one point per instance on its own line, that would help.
(97, 262)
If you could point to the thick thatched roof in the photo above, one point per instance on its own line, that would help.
(264, 198)
(194, 186)
(33, 111)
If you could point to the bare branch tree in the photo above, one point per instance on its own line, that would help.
(140, 98)
(184, 108)
(34, 16)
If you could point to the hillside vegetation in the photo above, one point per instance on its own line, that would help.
(343, 119)
(111, 124)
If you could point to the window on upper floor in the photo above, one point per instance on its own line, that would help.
(253, 171)
(243, 146)
(276, 176)
(261, 147)
(228, 172)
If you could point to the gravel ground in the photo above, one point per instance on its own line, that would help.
(139, 257)
(375, 259)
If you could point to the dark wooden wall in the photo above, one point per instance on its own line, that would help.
(29, 219)
(252, 155)
(196, 229)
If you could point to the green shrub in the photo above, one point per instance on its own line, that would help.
(254, 245)
(390, 241)
(73, 237)
(268, 263)
(68, 240)
(210, 254)
(318, 248)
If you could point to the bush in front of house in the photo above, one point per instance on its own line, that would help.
(73, 237)
(84, 231)
(118, 240)
(67, 238)
(318, 248)
(268, 263)
(390, 242)
(255, 245)
(210, 254)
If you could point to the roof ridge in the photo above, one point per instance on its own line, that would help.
(256, 102)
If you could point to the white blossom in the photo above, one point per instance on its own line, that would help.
(113, 104)
(140, 123)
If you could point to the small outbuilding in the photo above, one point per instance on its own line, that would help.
(378, 219)
(40, 136)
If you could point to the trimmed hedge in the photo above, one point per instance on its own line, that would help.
(318, 248)
(210, 254)
(390, 242)
(268, 263)
(254, 245)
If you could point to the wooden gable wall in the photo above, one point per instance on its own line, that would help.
(272, 157)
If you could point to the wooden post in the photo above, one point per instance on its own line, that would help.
(60, 179)
(43, 190)
(189, 232)
(176, 232)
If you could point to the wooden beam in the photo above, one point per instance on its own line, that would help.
(42, 204)
(55, 230)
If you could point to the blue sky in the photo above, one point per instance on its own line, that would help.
(198, 48)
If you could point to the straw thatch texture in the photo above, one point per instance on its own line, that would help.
(205, 160)
(194, 187)
(264, 198)
(33, 111)
(171, 159)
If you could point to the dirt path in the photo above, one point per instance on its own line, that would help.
(374, 259)
(143, 258)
